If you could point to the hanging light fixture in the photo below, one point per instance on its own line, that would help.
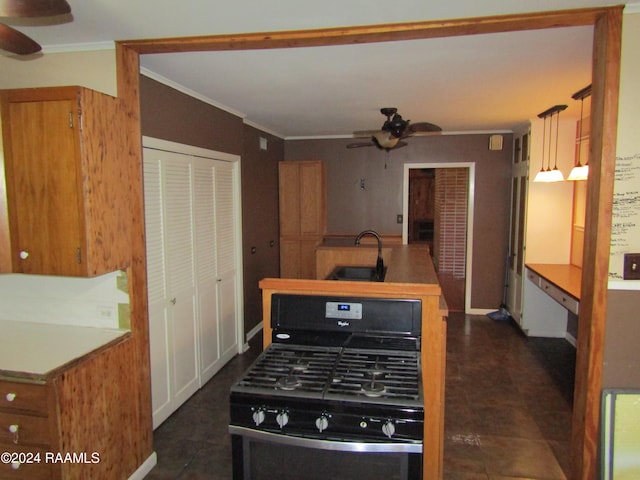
(579, 171)
(550, 175)
(556, 175)
(540, 176)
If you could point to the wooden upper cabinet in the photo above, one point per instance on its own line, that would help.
(302, 191)
(66, 182)
(302, 198)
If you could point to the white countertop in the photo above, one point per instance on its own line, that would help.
(33, 350)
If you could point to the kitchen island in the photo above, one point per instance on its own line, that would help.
(410, 275)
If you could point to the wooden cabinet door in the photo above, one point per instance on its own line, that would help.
(302, 216)
(311, 198)
(44, 185)
(289, 196)
(67, 180)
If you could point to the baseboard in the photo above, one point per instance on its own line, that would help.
(250, 334)
(144, 469)
(571, 339)
(479, 311)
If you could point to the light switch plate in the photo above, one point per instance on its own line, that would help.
(631, 269)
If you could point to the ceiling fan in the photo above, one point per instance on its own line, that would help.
(393, 131)
(17, 42)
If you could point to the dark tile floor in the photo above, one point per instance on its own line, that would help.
(508, 409)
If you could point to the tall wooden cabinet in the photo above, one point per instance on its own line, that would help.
(66, 183)
(193, 258)
(302, 194)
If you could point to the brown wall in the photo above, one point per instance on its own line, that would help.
(177, 117)
(171, 115)
(260, 228)
(350, 209)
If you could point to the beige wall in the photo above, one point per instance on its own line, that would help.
(93, 69)
(628, 145)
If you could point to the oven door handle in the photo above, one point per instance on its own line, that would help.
(337, 445)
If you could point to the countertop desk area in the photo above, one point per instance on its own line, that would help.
(564, 276)
(551, 301)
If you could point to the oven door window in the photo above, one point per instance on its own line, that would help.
(259, 460)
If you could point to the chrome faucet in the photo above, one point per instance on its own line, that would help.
(379, 261)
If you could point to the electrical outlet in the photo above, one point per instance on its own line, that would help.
(105, 312)
(399, 218)
(631, 270)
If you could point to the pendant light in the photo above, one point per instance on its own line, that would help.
(556, 175)
(579, 171)
(550, 175)
(540, 176)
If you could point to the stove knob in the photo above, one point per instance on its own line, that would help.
(258, 416)
(322, 422)
(282, 418)
(388, 428)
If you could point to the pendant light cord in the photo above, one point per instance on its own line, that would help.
(555, 160)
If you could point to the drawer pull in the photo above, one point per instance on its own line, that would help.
(14, 429)
(10, 397)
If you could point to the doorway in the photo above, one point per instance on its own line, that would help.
(437, 203)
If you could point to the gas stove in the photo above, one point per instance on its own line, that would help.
(342, 374)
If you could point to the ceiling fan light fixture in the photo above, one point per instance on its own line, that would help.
(385, 139)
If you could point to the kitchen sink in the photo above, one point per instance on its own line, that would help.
(356, 273)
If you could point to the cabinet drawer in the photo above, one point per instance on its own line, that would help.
(18, 429)
(23, 397)
(34, 468)
(563, 298)
(533, 278)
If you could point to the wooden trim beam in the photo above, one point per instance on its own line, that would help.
(597, 242)
(370, 33)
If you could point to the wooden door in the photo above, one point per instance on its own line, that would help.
(44, 185)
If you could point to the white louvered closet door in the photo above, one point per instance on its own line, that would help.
(171, 281)
(181, 274)
(227, 241)
(193, 264)
(161, 395)
(206, 267)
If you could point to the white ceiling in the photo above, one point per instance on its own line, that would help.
(476, 83)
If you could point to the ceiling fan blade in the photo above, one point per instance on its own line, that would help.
(423, 127)
(17, 42)
(360, 144)
(33, 8)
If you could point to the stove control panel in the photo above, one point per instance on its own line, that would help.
(283, 419)
(343, 310)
